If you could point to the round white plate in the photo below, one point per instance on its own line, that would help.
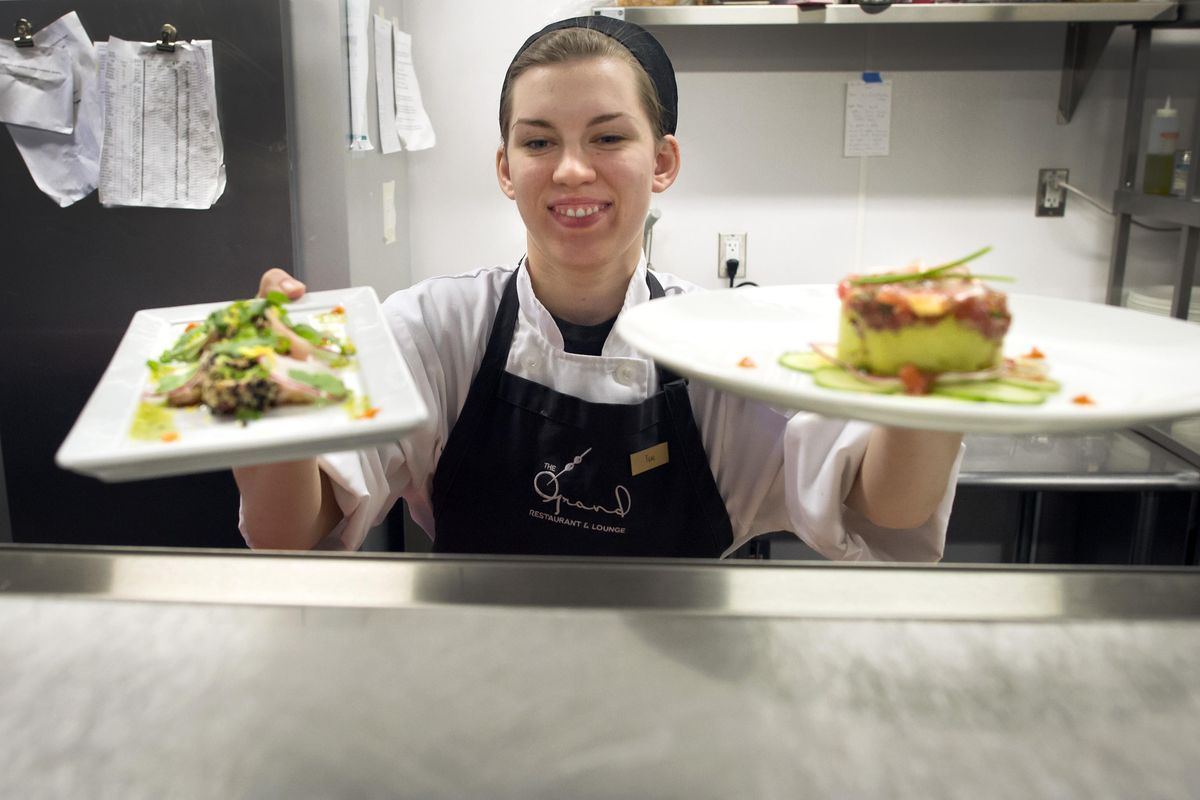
(1136, 367)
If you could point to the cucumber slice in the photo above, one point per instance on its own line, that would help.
(1047, 385)
(990, 391)
(804, 360)
(842, 381)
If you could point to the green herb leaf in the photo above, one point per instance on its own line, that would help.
(238, 346)
(173, 381)
(307, 333)
(320, 381)
(187, 347)
(244, 415)
(277, 298)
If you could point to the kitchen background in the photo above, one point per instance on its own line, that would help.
(974, 116)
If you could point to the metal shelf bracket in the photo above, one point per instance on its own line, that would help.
(1085, 44)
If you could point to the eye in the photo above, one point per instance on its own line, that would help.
(536, 144)
(610, 138)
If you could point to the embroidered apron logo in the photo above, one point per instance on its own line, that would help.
(546, 484)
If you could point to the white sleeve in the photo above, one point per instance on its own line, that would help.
(821, 461)
(777, 473)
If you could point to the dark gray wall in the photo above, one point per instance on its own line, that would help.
(73, 277)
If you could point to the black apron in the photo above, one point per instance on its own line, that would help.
(528, 470)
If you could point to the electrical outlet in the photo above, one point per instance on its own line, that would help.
(1051, 199)
(731, 245)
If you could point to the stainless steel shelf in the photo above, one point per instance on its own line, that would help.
(813, 590)
(1110, 461)
(1179, 210)
(923, 13)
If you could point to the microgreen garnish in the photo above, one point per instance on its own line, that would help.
(935, 272)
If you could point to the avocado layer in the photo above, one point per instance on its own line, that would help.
(943, 346)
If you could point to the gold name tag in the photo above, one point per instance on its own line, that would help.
(649, 458)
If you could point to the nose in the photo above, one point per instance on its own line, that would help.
(574, 167)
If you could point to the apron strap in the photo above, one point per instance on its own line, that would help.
(503, 327)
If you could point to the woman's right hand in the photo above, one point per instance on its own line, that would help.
(276, 280)
(287, 505)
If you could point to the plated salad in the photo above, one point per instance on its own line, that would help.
(249, 357)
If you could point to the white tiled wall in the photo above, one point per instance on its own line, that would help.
(973, 118)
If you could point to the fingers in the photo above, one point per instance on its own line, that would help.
(276, 280)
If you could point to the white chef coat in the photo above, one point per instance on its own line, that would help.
(775, 471)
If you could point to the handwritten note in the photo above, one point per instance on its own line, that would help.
(412, 123)
(868, 118)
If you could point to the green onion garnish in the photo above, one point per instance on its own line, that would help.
(897, 277)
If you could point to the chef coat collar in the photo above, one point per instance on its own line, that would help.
(536, 315)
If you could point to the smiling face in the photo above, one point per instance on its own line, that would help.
(581, 162)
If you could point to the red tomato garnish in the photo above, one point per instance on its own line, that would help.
(915, 381)
(169, 436)
(747, 362)
(191, 326)
(368, 413)
(338, 310)
(1034, 353)
(1083, 400)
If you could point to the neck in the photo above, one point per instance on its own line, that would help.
(581, 295)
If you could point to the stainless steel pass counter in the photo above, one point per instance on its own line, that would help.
(221, 675)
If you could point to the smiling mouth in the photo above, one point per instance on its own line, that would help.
(577, 212)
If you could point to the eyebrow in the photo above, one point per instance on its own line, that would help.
(599, 120)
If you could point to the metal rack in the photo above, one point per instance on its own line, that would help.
(1183, 211)
(1089, 24)
(877, 13)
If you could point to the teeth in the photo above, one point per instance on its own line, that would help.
(578, 212)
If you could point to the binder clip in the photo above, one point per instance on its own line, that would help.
(166, 39)
(24, 37)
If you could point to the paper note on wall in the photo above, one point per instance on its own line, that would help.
(868, 117)
(36, 87)
(162, 141)
(385, 96)
(357, 17)
(412, 123)
(66, 166)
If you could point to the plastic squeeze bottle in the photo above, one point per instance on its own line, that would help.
(1160, 150)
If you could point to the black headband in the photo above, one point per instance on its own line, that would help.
(638, 41)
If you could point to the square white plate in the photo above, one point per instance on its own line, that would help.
(1136, 367)
(100, 443)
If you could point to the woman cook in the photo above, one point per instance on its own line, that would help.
(551, 436)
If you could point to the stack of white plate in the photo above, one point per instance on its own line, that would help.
(1157, 300)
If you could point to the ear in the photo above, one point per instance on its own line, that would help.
(502, 173)
(666, 163)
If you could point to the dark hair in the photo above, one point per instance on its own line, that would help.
(595, 37)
